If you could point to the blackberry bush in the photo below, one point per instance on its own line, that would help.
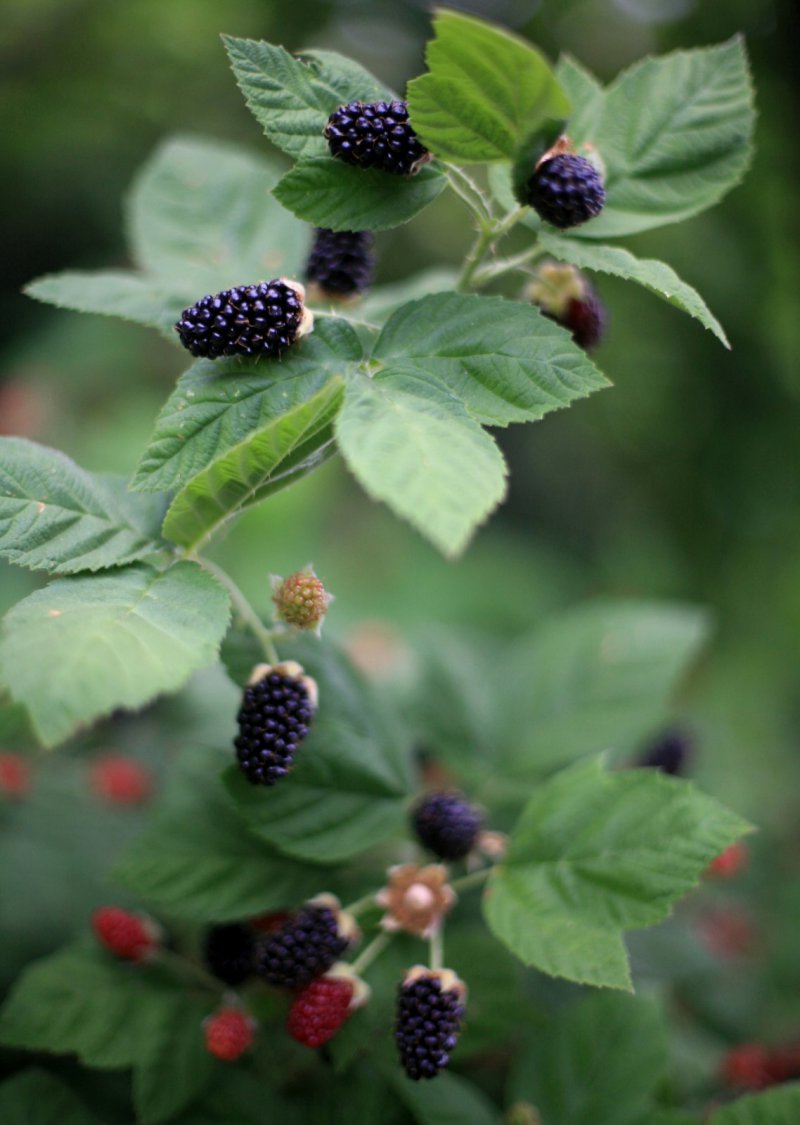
(283, 780)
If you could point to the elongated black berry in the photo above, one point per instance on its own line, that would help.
(376, 135)
(447, 824)
(566, 190)
(430, 1007)
(671, 753)
(230, 953)
(254, 320)
(341, 262)
(274, 717)
(305, 946)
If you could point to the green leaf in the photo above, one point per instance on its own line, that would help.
(233, 481)
(598, 1060)
(202, 219)
(292, 98)
(199, 861)
(674, 133)
(36, 1097)
(330, 193)
(503, 359)
(600, 676)
(84, 1001)
(56, 517)
(484, 92)
(173, 1065)
(83, 646)
(349, 785)
(596, 853)
(656, 276)
(128, 295)
(383, 300)
(219, 406)
(450, 1100)
(780, 1106)
(412, 444)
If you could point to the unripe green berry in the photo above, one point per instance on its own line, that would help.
(301, 599)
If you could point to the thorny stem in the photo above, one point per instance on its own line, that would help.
(488, 234)
(506, 265)
(466, 188)
(437, 949)
(372, 951)
(245, 610)
(467, 882)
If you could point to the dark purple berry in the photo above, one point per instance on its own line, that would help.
(274, 717)
(253, 320)
(229, 953)
(430, 1007)
(671, 753)
(341, 262)
(447, 824)
(566, 190)
(303, 948)
(376, 135)
(585, 318)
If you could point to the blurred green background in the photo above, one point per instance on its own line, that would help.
(683, 481)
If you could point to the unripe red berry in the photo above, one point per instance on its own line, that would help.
(15, 775)
(229, 1033)
(120, 780)
(746, 1067)
(133, 937)
(320, 1009)
(728, 863)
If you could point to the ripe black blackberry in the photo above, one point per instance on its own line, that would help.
(341, 262)
(671, 753)
(306, 945)
(376, 135)
(230, 953)
(447, 824)
(566, 190)
(277, 708)
(430, 1007)
(254, 320)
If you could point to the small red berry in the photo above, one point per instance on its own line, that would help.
(729, 863)
(131, 936)
(783, 1063)
(15, 775)
(229, 1033)
(319, 1010)
(120, 780)
(746, 1067)
(728, 931)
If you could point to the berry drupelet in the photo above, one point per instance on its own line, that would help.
(341, 262)
(307, 945)
(230, 953)
(277, 709)
(430, 1007)
(447, 824)
(250, 320)
(376, 135)
(565, 189)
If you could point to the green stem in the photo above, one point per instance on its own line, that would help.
(488, 235)
(467, 882)
(372, 951)
(437, 949)
(244, 609)
(361, 904)
(467, 190)
(350, 319)
(506, 265)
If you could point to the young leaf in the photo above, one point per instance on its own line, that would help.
(502, 359)
(330, 193)
(130, 296)
(173, 1066)
(199, 861)
(233, 480)
(594, 854)
(656, 276)
(674, 134)
(349, 785)
(83, 646)
(292, 98)
(600, 1059)
(780, 1106)
(411, 443)
(83, 1001)
(36, 1097)
(600, 676)
(201, 219)
(56, 517)
(220, 404)
(484, 92)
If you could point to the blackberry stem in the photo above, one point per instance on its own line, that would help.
(467, 882)
(437, 949)
(361, 904)
(506, 265)
(371, 953)
(245, 610)
(489, 233)
(467, 190)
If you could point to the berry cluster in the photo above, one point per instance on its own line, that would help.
(229, 1032)
(566, 190)
(301, 600)
(341, 262)
(447, 824)
(308, 944)
(133, 937)
(320, 1009)
(565, 295)
(251, 320)
(277, 708)
(230, 953)
(671, 753)
(430, 1007)
(376, 135)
